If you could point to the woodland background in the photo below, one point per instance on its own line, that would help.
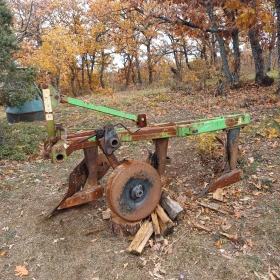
(173, 60)
(84, 47)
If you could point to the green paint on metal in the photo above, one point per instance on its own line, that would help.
(102, 109)
(210, 125)
(191, 127)
(50, 129)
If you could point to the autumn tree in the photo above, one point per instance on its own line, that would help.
(8, 42)
(257, 17)
(277, 7)
(16, 84)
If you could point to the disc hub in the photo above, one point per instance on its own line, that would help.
(137, 192)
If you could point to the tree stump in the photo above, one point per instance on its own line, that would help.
(122, 227)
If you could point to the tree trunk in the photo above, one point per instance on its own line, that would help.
(277, 6)
(150, 67)
(72, 82)
(178, 71)
(213, 50)
(225, 65)
(186, 55)
(139, 78)
(261, 78)
(270, 52)
(178, 74)
(102, 70)
(128, 71)
(83, 75)
(236, 53)
(89, 66)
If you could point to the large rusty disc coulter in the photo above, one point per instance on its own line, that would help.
(133, 190)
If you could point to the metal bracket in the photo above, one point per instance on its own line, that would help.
(112, 141)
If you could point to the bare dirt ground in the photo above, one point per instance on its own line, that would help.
(78, 244)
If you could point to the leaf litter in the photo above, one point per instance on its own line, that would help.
(237, 228)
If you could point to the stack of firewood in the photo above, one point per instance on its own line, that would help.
(160, 223)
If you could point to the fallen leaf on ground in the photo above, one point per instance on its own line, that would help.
(272, 133)
(2, 254)
(218, 244)
(238, 215)
(251, 243)
(21, 271)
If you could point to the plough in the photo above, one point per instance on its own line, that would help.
(134, 188)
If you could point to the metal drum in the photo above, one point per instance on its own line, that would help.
(30, 111)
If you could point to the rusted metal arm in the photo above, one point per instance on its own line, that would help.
(157, 131)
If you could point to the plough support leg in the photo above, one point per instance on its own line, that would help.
(230, 174)
(161, 146)
(232, 147)
(91, 158)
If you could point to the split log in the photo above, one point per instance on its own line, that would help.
(122, 227)
(155, 223)
(165, 223)
(172, 207)
(141, 238)
(156, 227)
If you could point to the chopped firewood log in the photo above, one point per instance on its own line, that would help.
(172, 207)
(122, 227)
(155, 223)
(165, 223)
(141, 238)
(163, 216)
(219, 195)
(156, 227)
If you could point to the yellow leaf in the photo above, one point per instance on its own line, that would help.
(21, 271)
(3, 253)
(218, 244)
(277, 120)
(272, 133)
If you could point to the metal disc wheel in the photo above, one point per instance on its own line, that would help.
(133, 190)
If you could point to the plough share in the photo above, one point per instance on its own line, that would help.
(134, 188)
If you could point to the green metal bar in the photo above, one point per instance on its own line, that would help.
(102, 109)
(182, 129)
(210, 125)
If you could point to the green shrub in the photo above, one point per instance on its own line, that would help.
(22, 141)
